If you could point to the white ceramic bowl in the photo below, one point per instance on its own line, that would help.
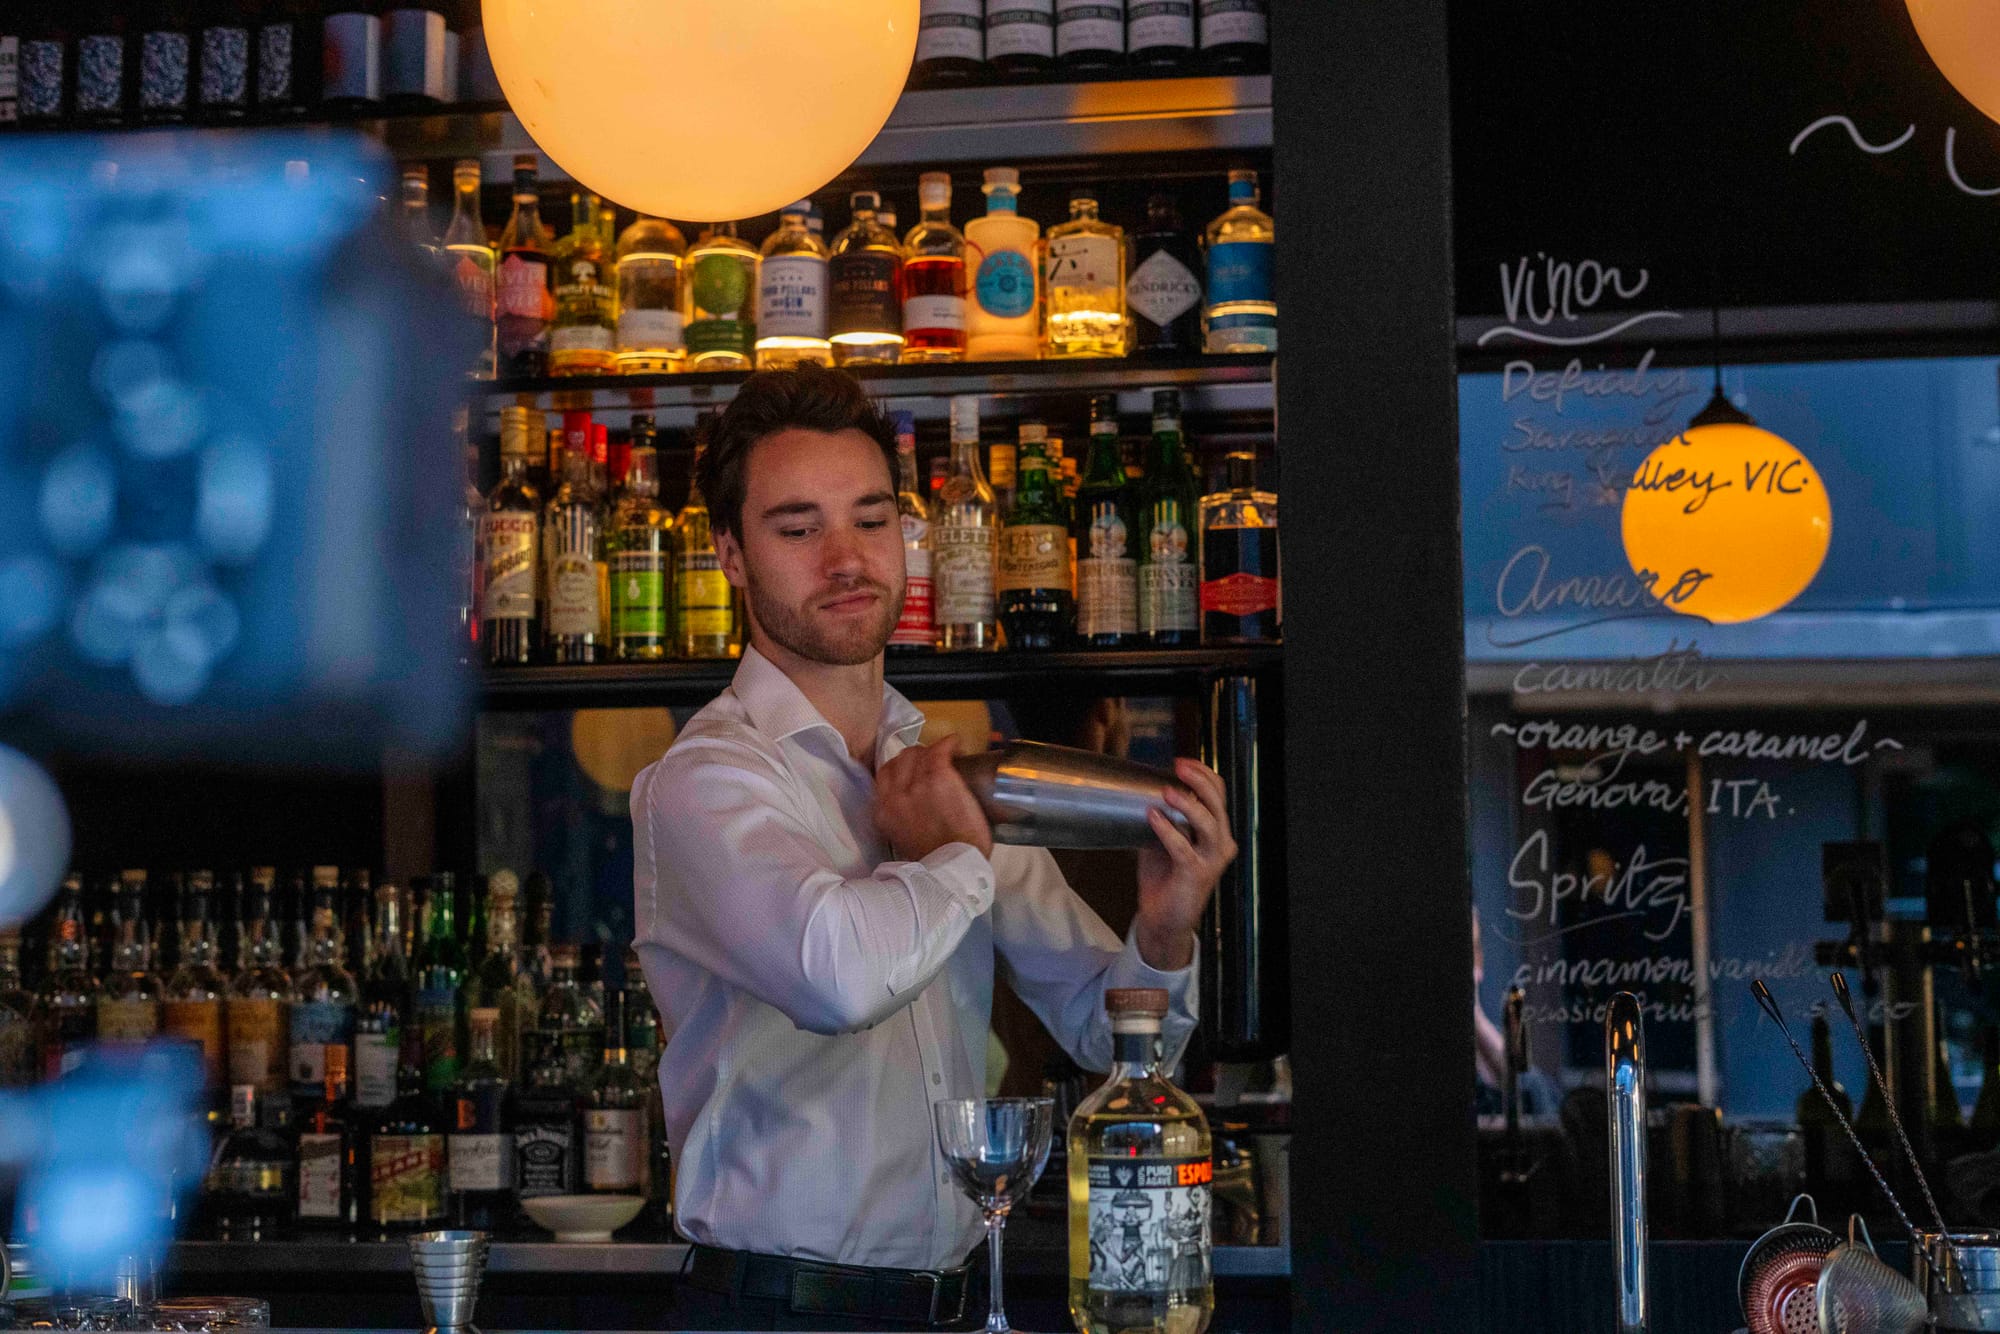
(583, 1217)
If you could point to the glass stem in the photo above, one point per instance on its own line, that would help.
(996, 1311)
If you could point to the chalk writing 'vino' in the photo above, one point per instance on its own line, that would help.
(1543, 291)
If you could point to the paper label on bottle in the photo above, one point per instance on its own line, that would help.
(914, 624)
(1034, 555)
(100, 74)
(791, 297)
(1020, 28)
(1149, 1224)
(1151, 23)
(639, 594)
(707, 604)
(1240, 594)
(375, 1068)
(507, 588)
(10, 78)
(1162, 289)
(580, 338)
(1000, 466)
(352, 55)
(1089, 25)
(42, 77)
(649, 329)
(1005, 284)
(720, 335)
(434, 1010)
(127, 1020)
(573, 608)
(1225, 22)
(405, 1178)
(225, 66)
(1107, 578)
(257, 1043)
(413, 42)
(922, 314)
(1168, 582)
(316, 1026)
(950, 30)
(1239, 271)
(614, 1148)
(199, 1021)
(962, 568)
(1252, 331)
(480, 1162)
(274, 63)
(863, 293)
(319, 1175)
(524, 288)
(543, 1156)
(1085, 261)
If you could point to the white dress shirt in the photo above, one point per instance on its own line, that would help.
(818, 996)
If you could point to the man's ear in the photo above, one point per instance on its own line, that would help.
(731, 553)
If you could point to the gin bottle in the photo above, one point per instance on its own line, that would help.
(791, 295)
(1034, 583)
(1169, 593)
(864, 287)
(1164, 290)
(583, 336)
(1107, 571)
(964, 539)
(1085, 283)
(934, 278)
(1241, 602)
(572, 534)
(1242, 312)
(510, 546)
(1003, 318)
(472, 262)
(916, 627)
(720, 296)
(1140, 1177)
(649, 258)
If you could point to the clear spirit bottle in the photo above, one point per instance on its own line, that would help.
(479, 1149)
(1242, 313)
(1241, 598)
(916, 627)
(704, 603)
(1003, 317)
(864, 287)
(934, 278)
(324, 994)
(510, 548)
(1037, 609)
(614, 1115)
(791, 294)
(191, 1005)
(650, 337)
(128, 1007)
(965, 533)
(1141, 1172)
(640, 550)
(1106, 530)
(524, 305)
(572, 542)
(258, 996)
(18, 1064)
(385, 991)
(720, 296)
(584, 335)
(499, 982)
(473, 262)
(1169, 592)
(1085, 284)
(418, 230)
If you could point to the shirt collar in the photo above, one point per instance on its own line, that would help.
(779, 709)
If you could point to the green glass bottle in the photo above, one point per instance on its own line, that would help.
(434, 992)
(1037, 608)
(1169, 519)
(1105, 531)
(639, 548)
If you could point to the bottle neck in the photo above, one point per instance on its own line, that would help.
(502, 929)
(1082, 210)
(388, 928)
(1002, 203)
(938, 214)
(965, 456)
(261, 946)
(642, 478)
(1167, 442)
(482, 1043)
(465, 197)
(1134, 1050)
(323, 947)
(1107, 461)
(906, 469)
(197, 946)
(10, 965)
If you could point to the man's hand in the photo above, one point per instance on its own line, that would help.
(921, 803)
(1176, 878)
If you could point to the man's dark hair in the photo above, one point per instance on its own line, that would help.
(812, 398)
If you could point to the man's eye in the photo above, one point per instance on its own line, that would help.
(794, 532)
(872, 524)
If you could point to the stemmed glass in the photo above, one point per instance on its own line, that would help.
(997, 1148)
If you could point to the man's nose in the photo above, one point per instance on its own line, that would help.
(841, 553)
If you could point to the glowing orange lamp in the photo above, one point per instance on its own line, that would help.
(665, 106)
(1963, 37)
(1729, 521)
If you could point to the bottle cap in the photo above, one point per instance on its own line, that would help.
(517, 428)
(1083, 194)
(504, 884)
(1033, 433)
(482, 1014)
(904, 424)
(965, 417)
(934, 189)
(465, 167)
(1136, 1000)
(867, 199)
(802, 207)
(1002, 178)
(1166, 403)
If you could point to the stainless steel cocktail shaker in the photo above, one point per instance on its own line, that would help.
(1055, 797)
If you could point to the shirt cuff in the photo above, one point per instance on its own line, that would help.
(1132, 970)
(965, 873)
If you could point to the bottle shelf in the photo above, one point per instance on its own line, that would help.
(933, 676)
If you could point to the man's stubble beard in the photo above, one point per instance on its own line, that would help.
(800, 634)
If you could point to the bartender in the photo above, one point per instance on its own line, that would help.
(820, 907)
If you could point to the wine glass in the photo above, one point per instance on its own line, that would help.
(996, 1147)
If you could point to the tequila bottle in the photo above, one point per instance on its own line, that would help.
(1036, 605)
(704, 603)
(1003, 318)
(614, 1115)
(650, 337)
(1163, 293)
(128, 1008)
(916, 627)
(572, 538)
(510, 546)
(1106, 529)
(791, 295)
(934, 278)
(720, 298)
(864, 287)
(640, 546)
(67, 1004)
(1242, 312)
(1241, 598)
(965, 534)
(385, 991)
(472, 263)
(1140, 1177)
(525, 306)
(18, 1065)
(255, 1013)
(584, 334)
(479, 1148)
(438, 974)
(1085, 284)
(191, 1006)
(323, 1005)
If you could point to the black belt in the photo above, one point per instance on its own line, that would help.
(808, 1287)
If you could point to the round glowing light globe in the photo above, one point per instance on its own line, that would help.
(1963, 37)
(1728, 521)
(707, 110)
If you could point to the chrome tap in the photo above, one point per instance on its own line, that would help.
(1625, 1086)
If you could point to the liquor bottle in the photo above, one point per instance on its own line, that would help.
(289, 64)
(934, 278)
(572, 535)
(255, 1011)
(357, 931)
(192, 1003)
(1003, 319)
(642, 1037)
(104, 66)
(416, 68)
(965, 531)
(951, 45)
(1812, 1109)
(1037, 608)
(223, 60)
(385, 991)
(1169, 596)
(1107, 572)
(1002, 471)
(406, 1160)
(10, 63)
(20, 1066)
(640, 545)
(1235, 34)
(1090, 35)
(864, 283)
(1021, 36)
(1242, 311)
(250, 1183)
(329, 1186)
(324, 993)
(1946, 1114)
(524, 306)
(510, 547)
(704, 603)
(583, 339)
(720, 296)
(916, 627)
(416, 219)
(499, 982)
(1163, 292)
(479, 1149)
(614, 1115)
(1140, 1173)
(472, 263)
(570, 1018)
(1241, 601)
(648, 259)
(44, 68)
(128, 1007)
(791, 295)
(547, 1148)
(1159, 34)
(66, 1007)
(436, 976)
(294, 910)
(351, 55)
(1085, 284)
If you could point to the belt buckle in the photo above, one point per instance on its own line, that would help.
(938, 1316)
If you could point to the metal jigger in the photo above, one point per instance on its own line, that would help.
(448, 1267)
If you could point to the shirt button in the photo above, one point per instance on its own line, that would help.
(937, 1079)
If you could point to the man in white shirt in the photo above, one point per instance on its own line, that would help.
(820, 905)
